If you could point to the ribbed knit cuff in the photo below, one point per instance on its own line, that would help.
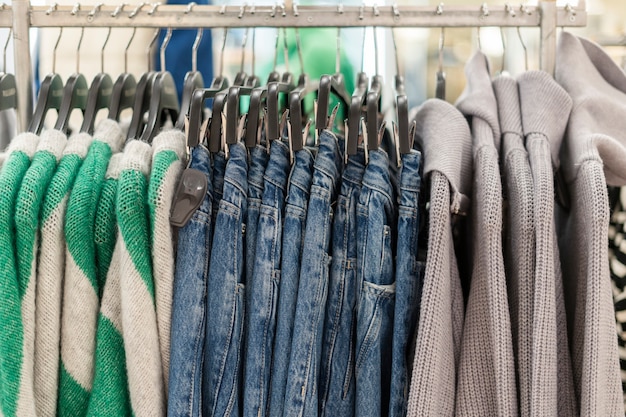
(170, 140)
(110, 132)
(444, 135)
(115, 166)
(137, 156)
(24, 142)
(545, 108)
(78, 145)
(52, 141)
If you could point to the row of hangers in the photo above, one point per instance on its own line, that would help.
(154, 94)
(274, 105)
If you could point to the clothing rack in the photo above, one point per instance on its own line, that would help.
(21, 16)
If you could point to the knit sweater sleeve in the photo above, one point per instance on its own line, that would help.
(167, 166)
(81, 293)
(12, 402)
(139, 321)
(110, 395)
(27, 208)
(50, 275)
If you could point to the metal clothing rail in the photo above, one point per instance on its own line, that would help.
(21, 16)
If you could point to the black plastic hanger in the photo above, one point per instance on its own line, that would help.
(163, 98)
(99, 96)
(8, 87)
(331, 84)
(193, 80)
(403, 138)
(50, 94)
(196, 107)
(354, 113)
(124, 89)
(373, 103)
(143, 94)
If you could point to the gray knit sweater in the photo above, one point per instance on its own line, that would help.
(519, 243)
(487, 385)
(444, 136)
(592, 156)
(545, 110)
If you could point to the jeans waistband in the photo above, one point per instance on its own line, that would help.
(258, 161)
(275, 172)
(377, 177)
(236, 174)
(329, 160)
(410, 179)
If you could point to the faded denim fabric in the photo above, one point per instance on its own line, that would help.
(293, 239)
(258, 162)
(226, 294)
(301, 398)
(189, 301)
(263, 287)
(337, 383)
(408, 282)
(376, 219)
(219, 166)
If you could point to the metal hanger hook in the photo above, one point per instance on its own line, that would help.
(4, 51)
(299, 49)
(103, 47)
(253, 49)
(521, 39)
(54, 51)
(503, 38)
(285, 49)
(149, 49)
(166, 41)
(338, 55)
(194, 50)
(80, 42)
(127, 47)
(395, 51)
(243, 48)
(221, 72)
(442, 40)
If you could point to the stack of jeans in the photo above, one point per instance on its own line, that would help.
(297, 284)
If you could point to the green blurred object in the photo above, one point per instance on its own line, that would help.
(319, 53)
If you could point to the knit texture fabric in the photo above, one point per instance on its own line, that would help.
(27, 208)
(545, 110)
(519, 243)
(16, 396)
(81, 300)
(167, 166)
(487, 383)
(50, 275)
(110, 395)
(105, 232)
(592, 156)
(617, 256)
(438, 339)
(139, 321)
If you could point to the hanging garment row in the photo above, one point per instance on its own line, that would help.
(454, 264)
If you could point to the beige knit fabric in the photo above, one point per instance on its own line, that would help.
(163, 184)
(50, 274)
(545, 110)
(519, 243)
(444, 136)
(592, 155)
(487, 383)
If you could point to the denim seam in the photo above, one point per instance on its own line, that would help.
(369, 335)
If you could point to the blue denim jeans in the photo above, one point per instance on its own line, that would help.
(337, 383)
(408, 281)
(219, 166)
(258, 162)
(296, 206)
(301, 397)
(189, 302)
(226, 293)
(376, 220)
(263, 287)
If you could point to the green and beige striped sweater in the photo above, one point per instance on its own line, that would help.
(50, 274)
(81, 300)
(27, 209)
(167, 166)
(110, 395)
(15, 398)
(139, 323)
